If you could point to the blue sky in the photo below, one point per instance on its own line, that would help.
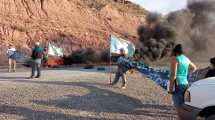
(162, 6)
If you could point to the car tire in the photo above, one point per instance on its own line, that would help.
(211, 117)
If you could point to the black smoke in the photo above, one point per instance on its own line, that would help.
(157, 37)
(193, 27)
(202, 27)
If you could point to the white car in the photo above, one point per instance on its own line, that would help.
(200, 100)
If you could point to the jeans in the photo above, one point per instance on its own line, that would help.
(120, 73)
(35, 67)
(178, 96)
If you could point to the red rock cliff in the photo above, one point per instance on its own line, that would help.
(71, 24)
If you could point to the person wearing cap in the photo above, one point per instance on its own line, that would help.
(211, 72)
(121, 72)
(11, 60)
(37, 55)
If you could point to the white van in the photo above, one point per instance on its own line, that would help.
(200, 100)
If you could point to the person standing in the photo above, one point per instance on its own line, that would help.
(37, 55)
(121, 71)
(181, 65)
(45, 58)
(11, 60)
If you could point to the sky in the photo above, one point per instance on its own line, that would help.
(161, 6)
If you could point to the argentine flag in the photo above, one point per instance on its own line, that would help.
(55, 51)
(117, 43)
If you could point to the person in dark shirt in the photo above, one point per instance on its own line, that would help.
(211, 72)
(37, 54)
(121, 72)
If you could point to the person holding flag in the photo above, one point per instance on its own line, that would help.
(11, 59)
(45, 58)
(121, 72)
(126, 50)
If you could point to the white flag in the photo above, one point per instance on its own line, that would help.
(55, 51)
(117, 43)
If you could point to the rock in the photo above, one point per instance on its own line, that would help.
(72, 24)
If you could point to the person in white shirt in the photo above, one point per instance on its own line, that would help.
(11, 60)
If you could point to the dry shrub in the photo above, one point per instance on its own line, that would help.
(96, 4)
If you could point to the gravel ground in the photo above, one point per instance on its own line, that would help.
(77, 94)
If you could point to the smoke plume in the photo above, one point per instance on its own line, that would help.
(193, 27)
(157, 37)
(202, 34)
(197, 33)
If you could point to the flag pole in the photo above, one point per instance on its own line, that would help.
(47, 53)
(110, 74)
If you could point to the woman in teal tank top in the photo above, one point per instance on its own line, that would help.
(180, 68)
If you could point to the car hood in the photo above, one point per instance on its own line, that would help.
(206, 81)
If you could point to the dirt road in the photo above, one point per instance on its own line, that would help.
(77, 94)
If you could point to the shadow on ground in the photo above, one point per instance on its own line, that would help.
(30, 114)
(99, 100)
(13, 78)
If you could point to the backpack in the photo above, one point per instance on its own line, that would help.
(37, 53)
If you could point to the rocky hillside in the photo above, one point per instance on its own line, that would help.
(71, 24)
